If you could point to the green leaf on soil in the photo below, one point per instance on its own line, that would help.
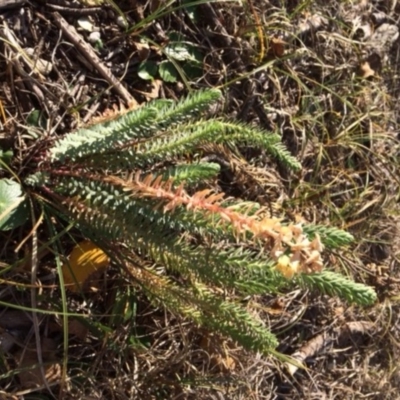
(147, 70)
(168, 72)
(13, 206)
(193, 70)
(179, 49)
(36, 119)
(5, 157)
(36, 122)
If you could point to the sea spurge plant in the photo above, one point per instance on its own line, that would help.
(128, 186)
(292, 249)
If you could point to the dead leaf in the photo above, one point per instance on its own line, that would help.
(309, 349)
(311, 23)
(77, 329)
(92, 3)
(277, 307)
(384, 36)
(218, 350)
(7, 341)
(156, 85)
(339, 311)
(351, 328)
(15, 320)
(31, 375)
(143, 50)
(85, 261)
(223, 363)
(277, 47)
(365, 70)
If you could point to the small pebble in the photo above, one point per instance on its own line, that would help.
(94, 37)
(41, 65)
(85, 24)
(122, 22)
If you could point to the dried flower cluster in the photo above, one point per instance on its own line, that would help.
(294, 252)
(292, 249)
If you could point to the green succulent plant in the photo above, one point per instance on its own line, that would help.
(137, 187)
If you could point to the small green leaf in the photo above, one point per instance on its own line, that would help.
(179, 49)
(147, 70)
(175, 36)
(192, 11)
(13, 206)
(99, 45)
(124, 308)
(193, 70)
(197, 55)
(168, 72)
(36, 119)
(5, 157)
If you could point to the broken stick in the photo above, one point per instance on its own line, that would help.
(85, 48)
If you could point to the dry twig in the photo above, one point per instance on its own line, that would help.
(70, 31)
